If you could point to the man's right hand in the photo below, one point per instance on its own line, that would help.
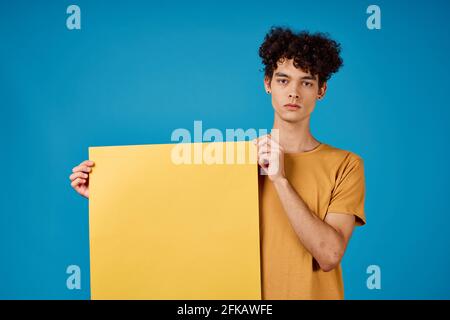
(80, 177)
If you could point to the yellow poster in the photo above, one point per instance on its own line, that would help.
(164, 227)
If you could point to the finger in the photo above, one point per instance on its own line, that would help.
(274, 146)
(270, 158)
(268, 148)
(263, 164)
(273, 142)
(264, 136)
(264, 156)
(268, 142)
(263, 150)
(264, 160)
(82, 168)
(75, 175)
(261, 138)
(262, 142)
(77, 182)
(89, 163)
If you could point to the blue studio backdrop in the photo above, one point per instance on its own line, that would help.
(137, 70)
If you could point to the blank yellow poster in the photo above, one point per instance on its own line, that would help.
(162, 230)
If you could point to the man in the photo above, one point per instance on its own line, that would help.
(312, 194)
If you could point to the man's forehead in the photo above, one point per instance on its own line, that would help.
(287, 67)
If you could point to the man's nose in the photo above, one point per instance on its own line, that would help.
(294, 95)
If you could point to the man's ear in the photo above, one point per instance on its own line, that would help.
(267, 84)
(322, 91)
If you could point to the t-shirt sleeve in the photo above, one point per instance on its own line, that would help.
(348, 195)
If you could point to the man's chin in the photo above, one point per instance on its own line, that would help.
(291, 117)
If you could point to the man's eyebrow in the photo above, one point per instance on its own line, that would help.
(283, 75)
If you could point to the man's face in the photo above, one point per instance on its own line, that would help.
(290, 85)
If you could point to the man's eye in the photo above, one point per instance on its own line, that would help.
(281, 81)
(307, 84)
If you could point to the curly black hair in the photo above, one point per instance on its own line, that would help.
(314, 53)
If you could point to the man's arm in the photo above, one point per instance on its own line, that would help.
(325, 240)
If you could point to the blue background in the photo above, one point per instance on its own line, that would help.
(138, 70)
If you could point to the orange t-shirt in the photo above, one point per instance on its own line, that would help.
(328, 180)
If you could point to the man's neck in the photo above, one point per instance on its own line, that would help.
(295, 137)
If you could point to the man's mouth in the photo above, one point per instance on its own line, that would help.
(291, 106)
